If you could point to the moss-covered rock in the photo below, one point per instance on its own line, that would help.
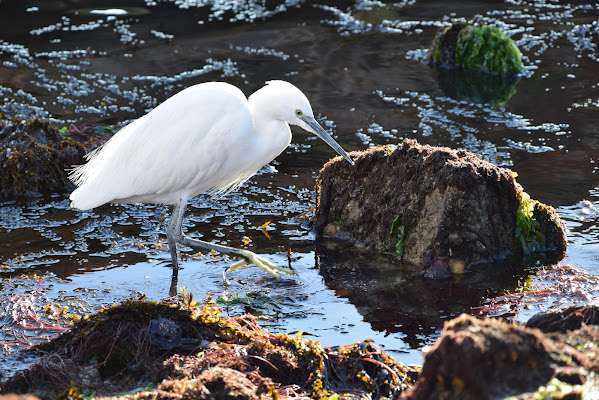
(476, 48)
(440, 209)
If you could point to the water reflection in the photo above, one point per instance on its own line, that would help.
(477, 88)
(394, 297)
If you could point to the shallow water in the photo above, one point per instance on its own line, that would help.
(361, 68)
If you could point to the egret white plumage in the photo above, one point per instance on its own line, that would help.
(208, 137)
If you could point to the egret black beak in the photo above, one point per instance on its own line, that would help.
(324, 135)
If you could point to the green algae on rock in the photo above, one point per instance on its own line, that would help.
(481, 48)
(486, 48)
(527, 230)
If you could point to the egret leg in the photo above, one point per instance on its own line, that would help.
(172, 292)
(174, 226)
(172, 245)
(175, 235)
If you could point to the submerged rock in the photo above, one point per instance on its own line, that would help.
(475, 48)
(440, 209)
(491, 359)
(565, 319)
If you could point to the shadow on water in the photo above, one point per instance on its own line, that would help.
(393, 298)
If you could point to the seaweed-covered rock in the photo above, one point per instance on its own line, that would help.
(480, 48)
(565, 319)
(33, 158)
(440, 209)
(174, 353)
(490, 359)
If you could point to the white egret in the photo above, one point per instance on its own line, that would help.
(208, 137)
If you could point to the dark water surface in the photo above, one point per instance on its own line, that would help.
(361, 68)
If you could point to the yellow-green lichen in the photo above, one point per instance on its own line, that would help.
(527, 231)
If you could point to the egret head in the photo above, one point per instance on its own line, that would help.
(289, 104)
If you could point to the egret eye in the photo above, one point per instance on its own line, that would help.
(299, 113)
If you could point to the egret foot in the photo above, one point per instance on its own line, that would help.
(261, 262)
(176, 236)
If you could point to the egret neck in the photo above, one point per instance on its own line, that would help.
(273, 132)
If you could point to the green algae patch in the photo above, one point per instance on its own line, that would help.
(487, 49)
(527, 231)
(397, 234)
(476, 48)
(539, 231)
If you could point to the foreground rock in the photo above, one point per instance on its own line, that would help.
(148, 350)
(164, 352)
(440, 209)
(490, 359)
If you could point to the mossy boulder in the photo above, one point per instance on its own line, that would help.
(476, 48)
(440, 209)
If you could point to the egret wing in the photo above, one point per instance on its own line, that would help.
(192, 142)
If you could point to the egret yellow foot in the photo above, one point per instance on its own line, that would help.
(253, 258)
